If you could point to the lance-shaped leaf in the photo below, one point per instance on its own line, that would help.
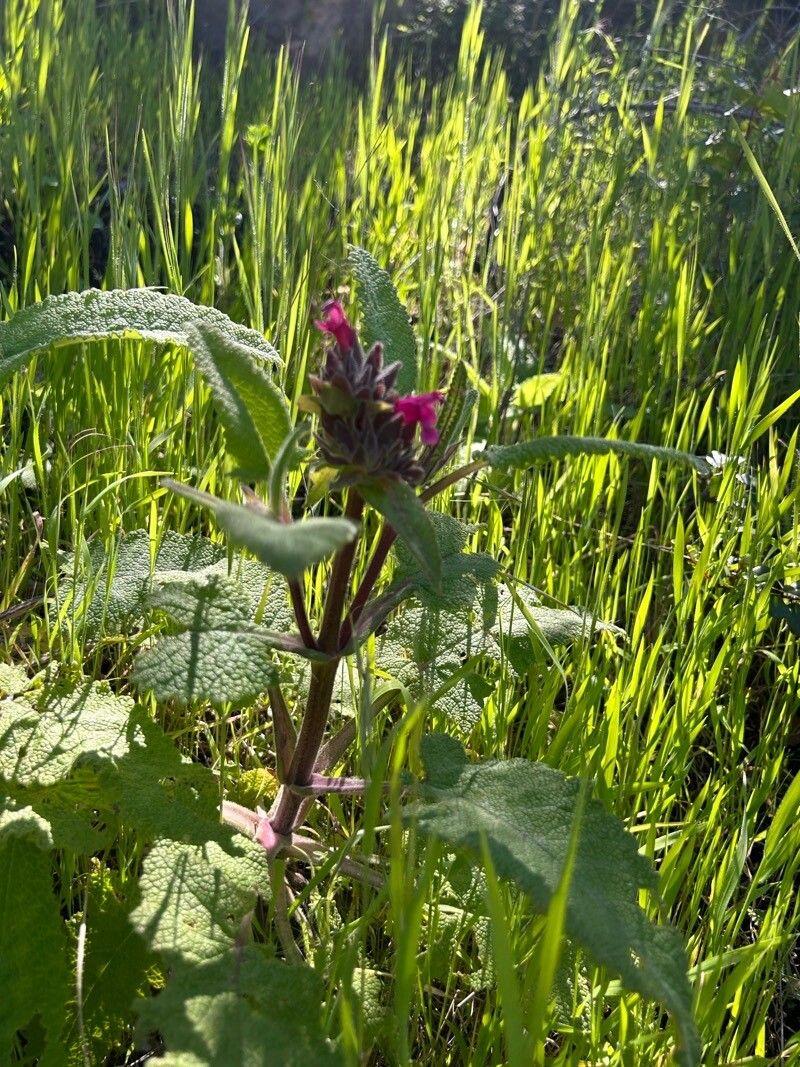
(34, 976)
(384, 318)
(542, 449)
(523, 811)
(195, 897)
(96, 314)
(242, 1008)
(287, 547)
(219, 654)
(251, 407)
(405, 512)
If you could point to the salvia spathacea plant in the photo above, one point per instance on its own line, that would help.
(399, 596)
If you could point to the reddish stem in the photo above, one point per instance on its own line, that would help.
(323, 676)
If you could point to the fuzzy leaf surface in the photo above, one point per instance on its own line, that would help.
(241, 1008)
(251, 407)
(39, 746)
(98, 314)
(288, 548)
(384, 318)
(543, 449)
(87, 759)
(110, 589)
(34, 977)
(195, 897)
(424, 648)
(462, 574)
(524, 812)
(218, 654)
(512, 630)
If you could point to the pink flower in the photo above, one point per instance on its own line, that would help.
(422, 409)
(334, 321)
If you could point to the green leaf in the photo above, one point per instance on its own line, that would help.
(194, 898)
(532, 392)
(34, 976)
(516, 619)
(95, 314)
(218, 655)
(405, 512)
(159, 792)
(252, 409)
(384, 317)
(86, 757)
(463, 574)
(242, 1008)
(524, 811)
(289, 548)
(110, 589)
(40, 746)
(542, 449)
(286, 459)
(458, 404)
(13, 680)
(424, 649)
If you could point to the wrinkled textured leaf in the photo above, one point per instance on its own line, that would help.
(160, 792)
(110, 590)
(251, 407)
(218, 655)
(524, 811)
(34, 977)
(194, 898)
(41, 745)
(463, 574)
(87, 759)
(13, 680)
(512, 630)
(542, 449)
(423, 649)
(384, 318)
(240, 1009)
(405, 512)
(287, 548)
(96, 314)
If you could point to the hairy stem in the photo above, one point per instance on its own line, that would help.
(385, 542)
(323, 676)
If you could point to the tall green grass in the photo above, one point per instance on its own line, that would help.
(605, 226)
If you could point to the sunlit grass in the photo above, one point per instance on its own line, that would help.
(604, 226)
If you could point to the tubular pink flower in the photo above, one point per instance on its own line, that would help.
(334, 321)
(421, 408)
